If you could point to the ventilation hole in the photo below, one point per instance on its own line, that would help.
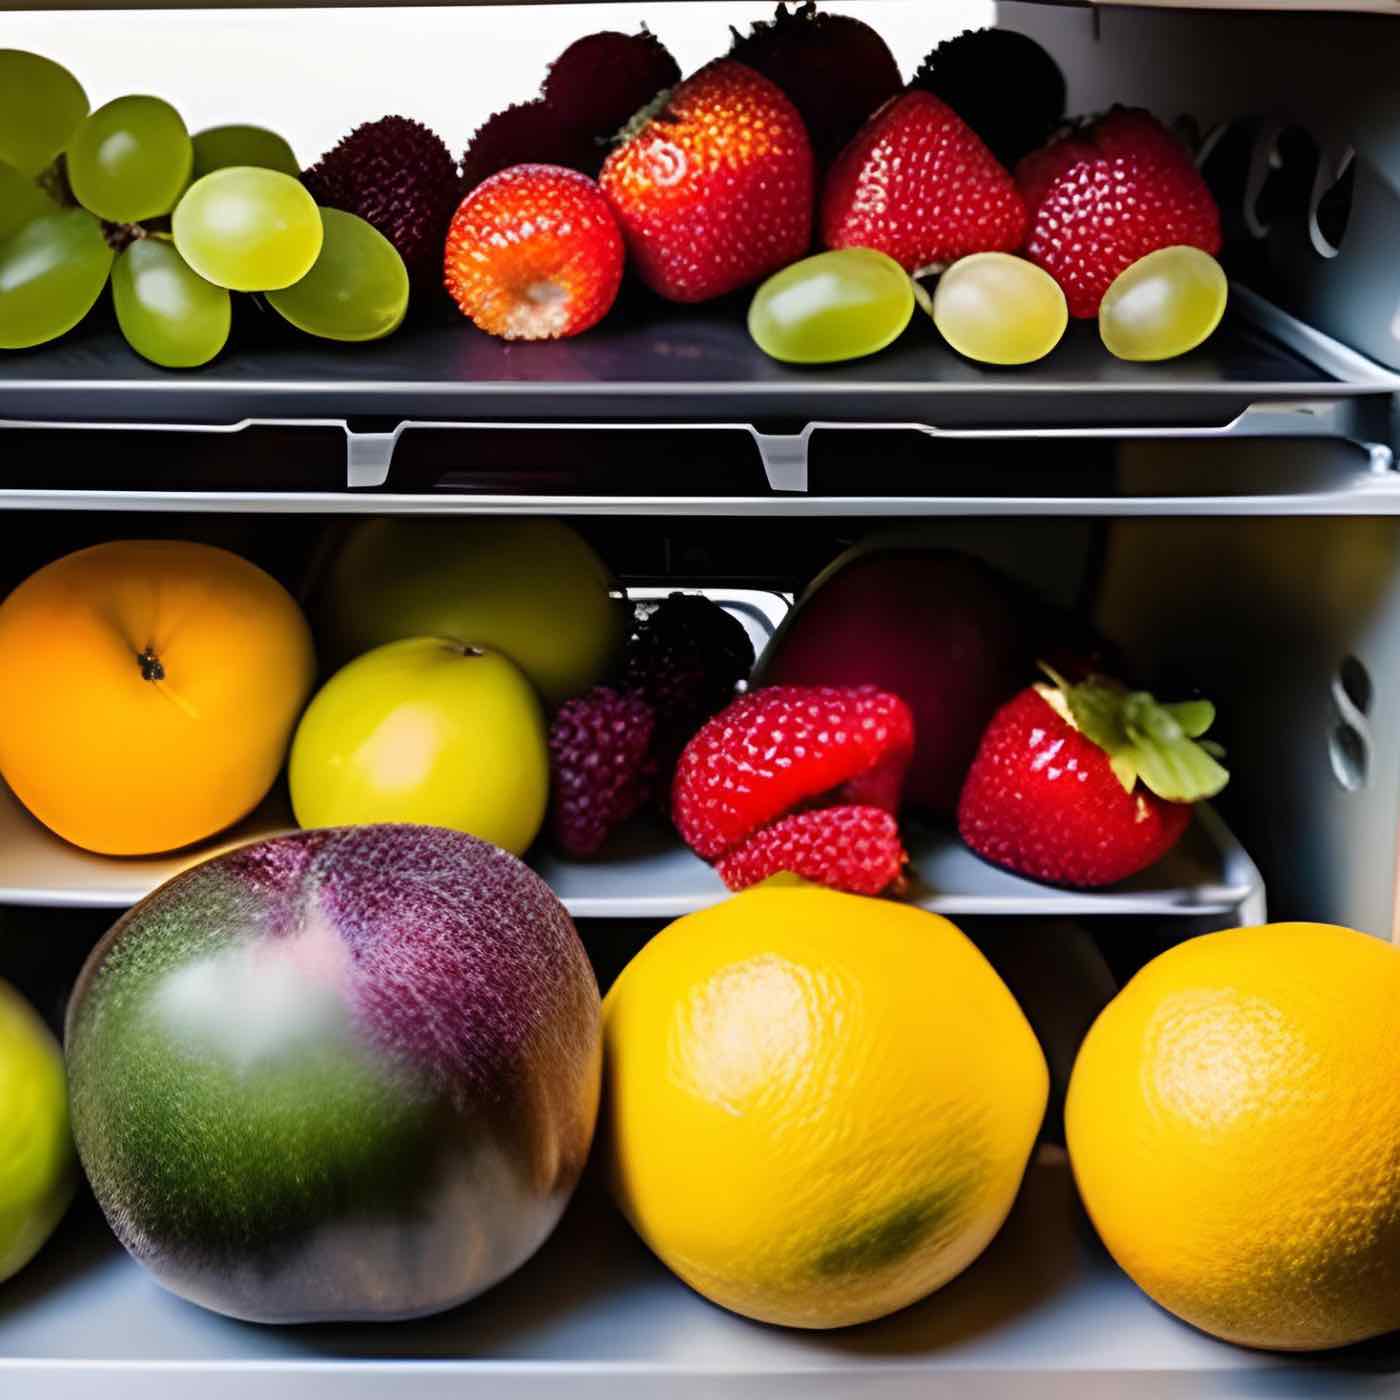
(1356, 681)
(1347, 751)
(1286, 191)
(1327, 223)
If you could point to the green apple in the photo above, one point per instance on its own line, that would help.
(425, 730)
(38, 1167)
(533, 589)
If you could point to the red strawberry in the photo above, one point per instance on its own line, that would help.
(855, 849)
(918, 183)
(1107, 194)
(836, 69)
(1087, 784)
(747, 784)
(534, 253)
(714, 190)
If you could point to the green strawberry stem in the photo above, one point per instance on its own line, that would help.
(1148, 742)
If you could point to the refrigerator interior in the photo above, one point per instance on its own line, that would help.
(1232, 521)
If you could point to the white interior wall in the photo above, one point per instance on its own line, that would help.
(314, 74)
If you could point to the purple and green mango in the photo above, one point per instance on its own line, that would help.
(343, 1074)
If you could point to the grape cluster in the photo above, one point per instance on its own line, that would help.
(124, 195)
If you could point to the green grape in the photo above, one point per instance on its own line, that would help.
(249, 230)
(999, 309)
(358, 289)
(1163, 305)
(41, 104)
(51, 273)
(20, 201)
(167, 312)
(222, 146)
(130, 159)
(834, 306)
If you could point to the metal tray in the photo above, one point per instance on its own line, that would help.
(1262, 373)
(1044, 1314)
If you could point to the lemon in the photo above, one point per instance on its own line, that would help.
(38, 1167)
(1233, 1121)
(819, 1107)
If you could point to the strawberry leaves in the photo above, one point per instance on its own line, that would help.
(1158, 745)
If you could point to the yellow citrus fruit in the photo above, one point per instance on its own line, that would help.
(1234, 1125)
(819, 1107)
(38, 1167)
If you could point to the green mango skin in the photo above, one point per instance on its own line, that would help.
(343, 1075)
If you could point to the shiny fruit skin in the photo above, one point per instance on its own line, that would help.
(130, 160)
(51, 274)
(917, 183)
(531, 588)
(534, 253)
(716, 190)
(357, 289)
(426, 731)
(38, 1167)
(41, 105)
(1233, 1121)
(832, 306)
(337, 1076)
(21, 200)
(218, 147)
(999, 309)
(125, 765)
(247, 229)
(165, 309)
(818, 1108)
(1163, 305)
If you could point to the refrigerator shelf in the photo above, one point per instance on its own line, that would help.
(648, 874)
(1263, 374)
(1044, 1314)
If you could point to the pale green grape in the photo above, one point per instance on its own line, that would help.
(51, 273)
(167, 312)
(834, 306)
(1163, 305)
(20, 201)
(358, 289)
(41, 104)
(222, 146)
(129, 160)
(249, 230)
(999, 309)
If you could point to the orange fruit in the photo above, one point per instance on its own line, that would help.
(1233, 1122)
(149, 692)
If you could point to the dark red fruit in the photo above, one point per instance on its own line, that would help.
(399, 176)
(600, 771)
(787, 750)
(943, 631)
(1002, 84)
(600, 82)
(856, 849)
(835, 69)
(530, 133)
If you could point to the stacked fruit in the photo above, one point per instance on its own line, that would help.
(175, 223)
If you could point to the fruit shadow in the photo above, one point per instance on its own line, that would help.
(80, 1248)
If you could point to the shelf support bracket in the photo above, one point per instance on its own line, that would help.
(368, 457)
(784, 457)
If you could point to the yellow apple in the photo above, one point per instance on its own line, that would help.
(425, 730)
